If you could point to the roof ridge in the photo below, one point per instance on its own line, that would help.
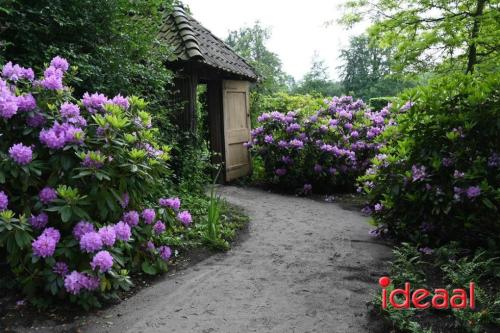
(220, 40)
(186, 32)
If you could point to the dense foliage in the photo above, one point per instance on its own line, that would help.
(250, 43)
(114, 44)
(437, 178)
(317, 81)
(366, 70)
(305, 104)
(79, 187)
(325, 151)
(442, 35)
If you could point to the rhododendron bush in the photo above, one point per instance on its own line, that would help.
(77, 179)
(437, 178)
(324, 152)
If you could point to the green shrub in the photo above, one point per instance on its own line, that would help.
(306, 105)
(74, 177)
(437, 177)
(323, 152)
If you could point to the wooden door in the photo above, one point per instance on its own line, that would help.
(236, 128)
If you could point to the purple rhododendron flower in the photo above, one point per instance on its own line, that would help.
(418, 172)
(150, 246)
(121, 101)
(69, 110)
(406, 107)
(102, 260)
(494, 160)
(16, 72)
(60, 135)
(26, 102)
(89, 282)
(36, 120)
(59, 63)
(447, 162)
(95, 102)
(307, 188)
(148, 215)
(47, 195)
(92, 162)
(124, 200)
(426, 250)
(108, 235)
(165, 252)
(473, 191)
(268, 139)
(174, 203)
(366, 210)
(131, 218)
(44, 246)
(293, 128)
(287, 159)
(52, 233)
(317, 168)
(52, 79)
(280, 172)
(81, 228)
(296, 143)
(282, 144)
(159, 227)
(72, 283)
(123, 231)
(60, 268)
(378, 207)
(76, 281)
(21, 154)
(4, 201)
(8, 101)
(185, 217)
(91, 242)
(39, 221)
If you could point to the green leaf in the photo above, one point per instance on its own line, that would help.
(148, 268)
(66, 213)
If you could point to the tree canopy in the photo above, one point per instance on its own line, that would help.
(365, 70)
(250, 43)
(317, 80)
(438, 35)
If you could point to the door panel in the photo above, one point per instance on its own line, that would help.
(236, 128)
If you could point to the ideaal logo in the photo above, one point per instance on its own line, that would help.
(420, 298)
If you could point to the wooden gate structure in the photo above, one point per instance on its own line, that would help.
(199, 57)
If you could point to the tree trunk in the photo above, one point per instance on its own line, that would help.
(472, 53)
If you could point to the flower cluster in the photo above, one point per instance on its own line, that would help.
(45, 244)
(4, 201)
(80, 175)
(21, 154)
(328, 149)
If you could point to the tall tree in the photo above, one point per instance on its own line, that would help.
(317, 81)
(365, 70)
(250, 43)
(439, 35)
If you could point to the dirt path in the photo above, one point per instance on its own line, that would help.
(306, 266)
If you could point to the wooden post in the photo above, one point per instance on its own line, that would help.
(186, 87)
(215, 123)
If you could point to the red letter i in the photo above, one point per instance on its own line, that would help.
(384, 282)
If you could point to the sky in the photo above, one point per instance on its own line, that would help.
(298, 28)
